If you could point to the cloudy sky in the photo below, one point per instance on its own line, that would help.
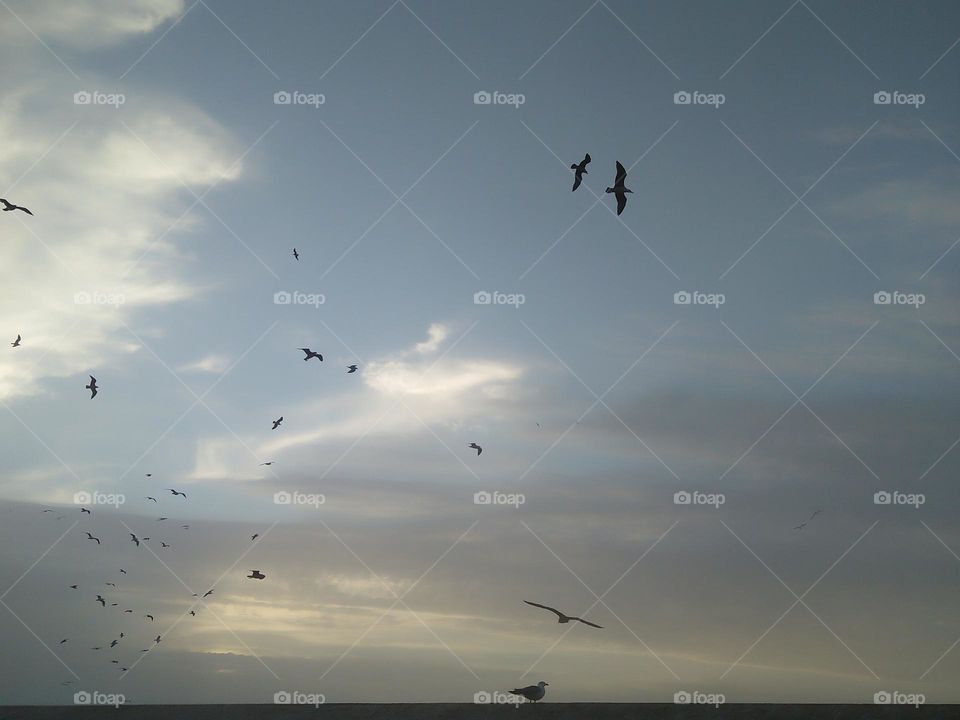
(804, 201)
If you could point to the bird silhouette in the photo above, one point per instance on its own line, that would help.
(619, 189)
(563, 617)
(151, 498)
(296, 255)
(351, 369)
(580, 170)
(8, 206)
(92, 387)
(135, 539)
(91, 537)
(101, 600)
(16, 343)
(308, 353)
(177, 492)
(276, 423)
(476, 447)
(256, 575)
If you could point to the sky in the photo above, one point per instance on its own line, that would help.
(722, 425)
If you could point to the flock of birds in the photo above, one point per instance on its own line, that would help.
(531, 693)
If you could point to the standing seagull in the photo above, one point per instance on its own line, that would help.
(619, 189)
(296, 255)
(561, 617)
(276, 423)
(92, 387)
(476, 447)
(311, 354)
(16, 343)
(8, 206)
(351, 369)
(531, 692)
(580, 170)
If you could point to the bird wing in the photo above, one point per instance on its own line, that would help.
(545, 607)
(26, 210)
(586, 622)
(587, 159)
(577, 180)
(621, 202)
(621, 174)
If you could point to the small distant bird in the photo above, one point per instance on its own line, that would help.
(8, 206)
(101, 600)
(16, 343)
(533, 693)
(151, 498)
(801, 526)
(114, 643)
(47, 510)
(308, 353)
(351, 369)
(185, 527)
(276, 423)
(91, 537)
(135, 539)
(123, 669)
(208, 592)
(149, 616)
(476, 447)
(115, 662)
(256, 575)
(175, 492)
(73, 587)
(561, 617)
(254, 536)
(193, 613)
(268, 463)
(122, 571)
(161, 518)
(92, 387)
(619, 189)
(122, 635)
(63, 641)
(84, 510)
(111, 584)
(296, 255)
(97, 648)
(163, 544)
(128, 611)
(157, 639)
(580, 171)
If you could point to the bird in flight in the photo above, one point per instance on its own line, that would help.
(91, 537)
(619, 189)
(561, 617)
(157, 639)
(16, 343)
(193, 613)
(159, 519)
(84, 510)
(276, 423)
(801, 526)
(163, 544)
(122, 571)
(351, 369)
(135, 539)
(92, 387)
(63, 641)
(8, 206)
(111, 584)
(531, 692)
(254, 536)
(476, 447)
(268, 463)
(73, 587)
(256, 575)
(128, 611)
(175, 492)
(296, 255)
(580, 171)
(151, 498)
(114, 643)
(308, 353)
(101, 600)
(149, 616)
(208, 592)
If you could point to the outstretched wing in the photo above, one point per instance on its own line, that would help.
(545, 607)
(587, 622)
(621, 174)
(621, 202)
(577, 180)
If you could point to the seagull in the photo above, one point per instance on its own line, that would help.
(63, 641)
(122, 571)
(92, 387)
(73, 587)
(161, 518)
(193, 613)
(815, 513)
(101, 600)
(175, 492)
(619, 189)
(135, 539)
(163, 544)
(157, 640)
(114, 643)
(8, 206)
(476, 447)
(351, 369)
(97, 648)
(801, 526)
(111, 584)
(531, 692)
(149, 616)
(185, 527)
(91, 537)
(151, 498)
(208, 592)
(254, 536)
(148, 474)
(122, 636)
(128, 611)
(268, 463)
(562, 618)
(256, 575)
(115, 662)
(16, 343)
(84, 510)
(308, 353)
(296, 255)
(276, 423)
(581, 170)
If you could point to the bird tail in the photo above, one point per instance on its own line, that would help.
(609, 190)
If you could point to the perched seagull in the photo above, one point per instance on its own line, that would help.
(254, 536)
(276, 423)
(92, 387)
(351, 369)
(531, 692)
(91, 537)
(151, 498)
(476, 447)
(619, 189)
(8, 206)
(561, 617)
(308, 353)
(101, 600)
(16, 343)
(256, 575)
(580, 170)
(84, 510)
(296, 255)
(135, 539)
(175, 492)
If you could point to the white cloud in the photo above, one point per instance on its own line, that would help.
(207, 364)
(436, 334)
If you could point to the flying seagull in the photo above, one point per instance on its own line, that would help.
(161, 518)
(193, 613)
(476, 447)
(531, 692)
(84, 510)
(8, 206)
(91, 537)
(175, 492)
(114, 643)
(111, 584)
(296, 255)
(157, 639)
(561, 617)
(163, 544)
(208, 592)
(151, 498)
(801, 526)
(122, 571)
(308, 353)
(580, 170)
(128, 611)
(63, 641)
(101, 600)
(268, 463)
(16, 343)
(148, 474)
(149, 616)
(92, 387)
(135, 539)
(351, 369)
(73, 587)
(256, 575)
(276, 423)
(619, 189)
(254, 536)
